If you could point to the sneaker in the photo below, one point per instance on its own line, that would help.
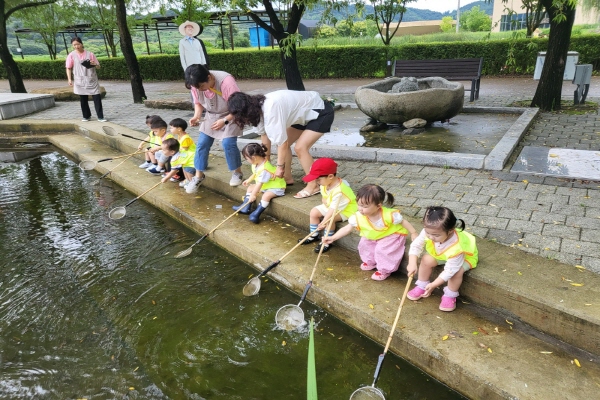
(85, 120)
(183, 183)
(416, 293)
(155, 171)
(366, 267)
(448, 303)
(326, 247)
(102, 120)
(309, 239)
(379, 276)
(236, 179)
(146, 164)
(194, 185)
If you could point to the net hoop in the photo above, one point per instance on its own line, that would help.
(117, 213)
(252, 287)
(109, 131)
(87, 165)
(289, 317)
(367, 393)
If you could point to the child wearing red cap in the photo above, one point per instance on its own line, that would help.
(334, 191)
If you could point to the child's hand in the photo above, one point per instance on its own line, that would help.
(411, 269)
(163, 180)
(252, 198)
(322, 225)
(246, 182)
(327, 240)
(428, 289)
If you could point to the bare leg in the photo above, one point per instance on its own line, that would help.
(428, 263)
(455, 282)
(303, 141)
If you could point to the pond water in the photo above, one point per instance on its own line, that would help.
(92, 308)
(470, 133)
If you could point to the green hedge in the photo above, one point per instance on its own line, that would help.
(330, 61)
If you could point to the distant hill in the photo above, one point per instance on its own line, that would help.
(412, 14)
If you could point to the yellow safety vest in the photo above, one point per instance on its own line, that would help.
(464, 245)
(192, 147)
(274, 182)
(347, 192)
(185, 159)
(367, 230)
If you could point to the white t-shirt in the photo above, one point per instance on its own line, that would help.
(452, 266)
(284, 108)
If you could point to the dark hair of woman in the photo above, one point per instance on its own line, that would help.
(374, 194)
(195, 75)
(76, 39)
(254, 149)
(246, 109)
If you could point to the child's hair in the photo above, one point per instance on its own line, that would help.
(171, 144)
(254, 149)
(158, 124)
(179, 123)
(442, 218)
(374, 194)
(152, 118)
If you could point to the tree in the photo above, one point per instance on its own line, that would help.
(47, 20)
(475, 20)
(562, 15)
(447, 24)
(388, 11)
(137, 88)
(101, 14)
(7, 9)
(534, 14)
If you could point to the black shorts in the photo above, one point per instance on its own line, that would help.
(322, 123)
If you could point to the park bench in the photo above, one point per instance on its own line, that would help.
(460, 69)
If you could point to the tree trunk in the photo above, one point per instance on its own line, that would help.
(137, 88)
(549, 89)
(291, 71)
(13, 74)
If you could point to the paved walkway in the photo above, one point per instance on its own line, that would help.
(551, 217)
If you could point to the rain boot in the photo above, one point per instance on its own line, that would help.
(246, 209)
(255, 216)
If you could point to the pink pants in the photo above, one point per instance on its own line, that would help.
(385, 253)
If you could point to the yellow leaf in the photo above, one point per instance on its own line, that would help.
(580, 267)
(508, 322)
(553, 155)
(588, 304)
(489, 350)
(576, 361)
(136, 368)
(546, 352)
(153, 302)
(519, 272)
(131, 388)
(250, 276)
(329, 269)
(496, 330)
(154, 317)
(283, 343)
(371, 306)
(525, 181)
(475, 333)
(445, 337)
(576, 284)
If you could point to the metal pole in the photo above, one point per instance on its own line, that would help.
(19, 45)
(222, 37)
(65, 41)
(458, 17)
(146, 36)
(158, 35)
(230, 32)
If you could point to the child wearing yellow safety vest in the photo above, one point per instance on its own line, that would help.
(382, 229)
(180, 160)
(334, 191)
(149, 159)
(445, 242)
(263, 172)
(187, 148)
(159, 128)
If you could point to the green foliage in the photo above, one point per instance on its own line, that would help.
(447, 24)
(326, 31)
(475, 20)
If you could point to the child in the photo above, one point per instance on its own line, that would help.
(159, 128)
(263, 172)
(181, 160)
(383, 231)
(334, 191)
(149, 159)
(447, 243)
(186, 145)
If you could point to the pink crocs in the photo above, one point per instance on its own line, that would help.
(379, 276)
(416, 293)
(448, 303)
(366, 267)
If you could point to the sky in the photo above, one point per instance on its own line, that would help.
(439, 5)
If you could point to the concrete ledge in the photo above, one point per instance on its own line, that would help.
(14, 105)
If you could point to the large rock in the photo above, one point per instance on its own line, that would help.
(169, 104)
(64, 93)
(436, 100)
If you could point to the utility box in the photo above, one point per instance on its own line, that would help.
(572, 60)
(260, 37)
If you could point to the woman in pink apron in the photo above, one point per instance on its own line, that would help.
(85, 83)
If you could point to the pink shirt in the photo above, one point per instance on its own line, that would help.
(69, 63)
(228, 87)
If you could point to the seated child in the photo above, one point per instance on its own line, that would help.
(383, 231)
(186, 145)
(334, 191)
(159, 128)
(181, 160)
(150, 160)
(445, 242)
(263, 172)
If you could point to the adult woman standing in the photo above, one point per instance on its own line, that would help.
(210, 91)
(284, 117)
(83, 64)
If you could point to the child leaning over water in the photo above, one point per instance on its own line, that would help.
(382, 229)
(180, 159)
(178, 128)
(149, 159)
(445, 242)
(263, 172)
(334, 191)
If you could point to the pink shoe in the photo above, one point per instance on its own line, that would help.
(416, 293)
(379, 276)
(448, 303)
(366, 267)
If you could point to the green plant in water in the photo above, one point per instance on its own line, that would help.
(311, 376)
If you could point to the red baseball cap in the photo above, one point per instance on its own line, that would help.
(321, 167)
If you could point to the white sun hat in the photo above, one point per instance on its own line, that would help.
(196, 27)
